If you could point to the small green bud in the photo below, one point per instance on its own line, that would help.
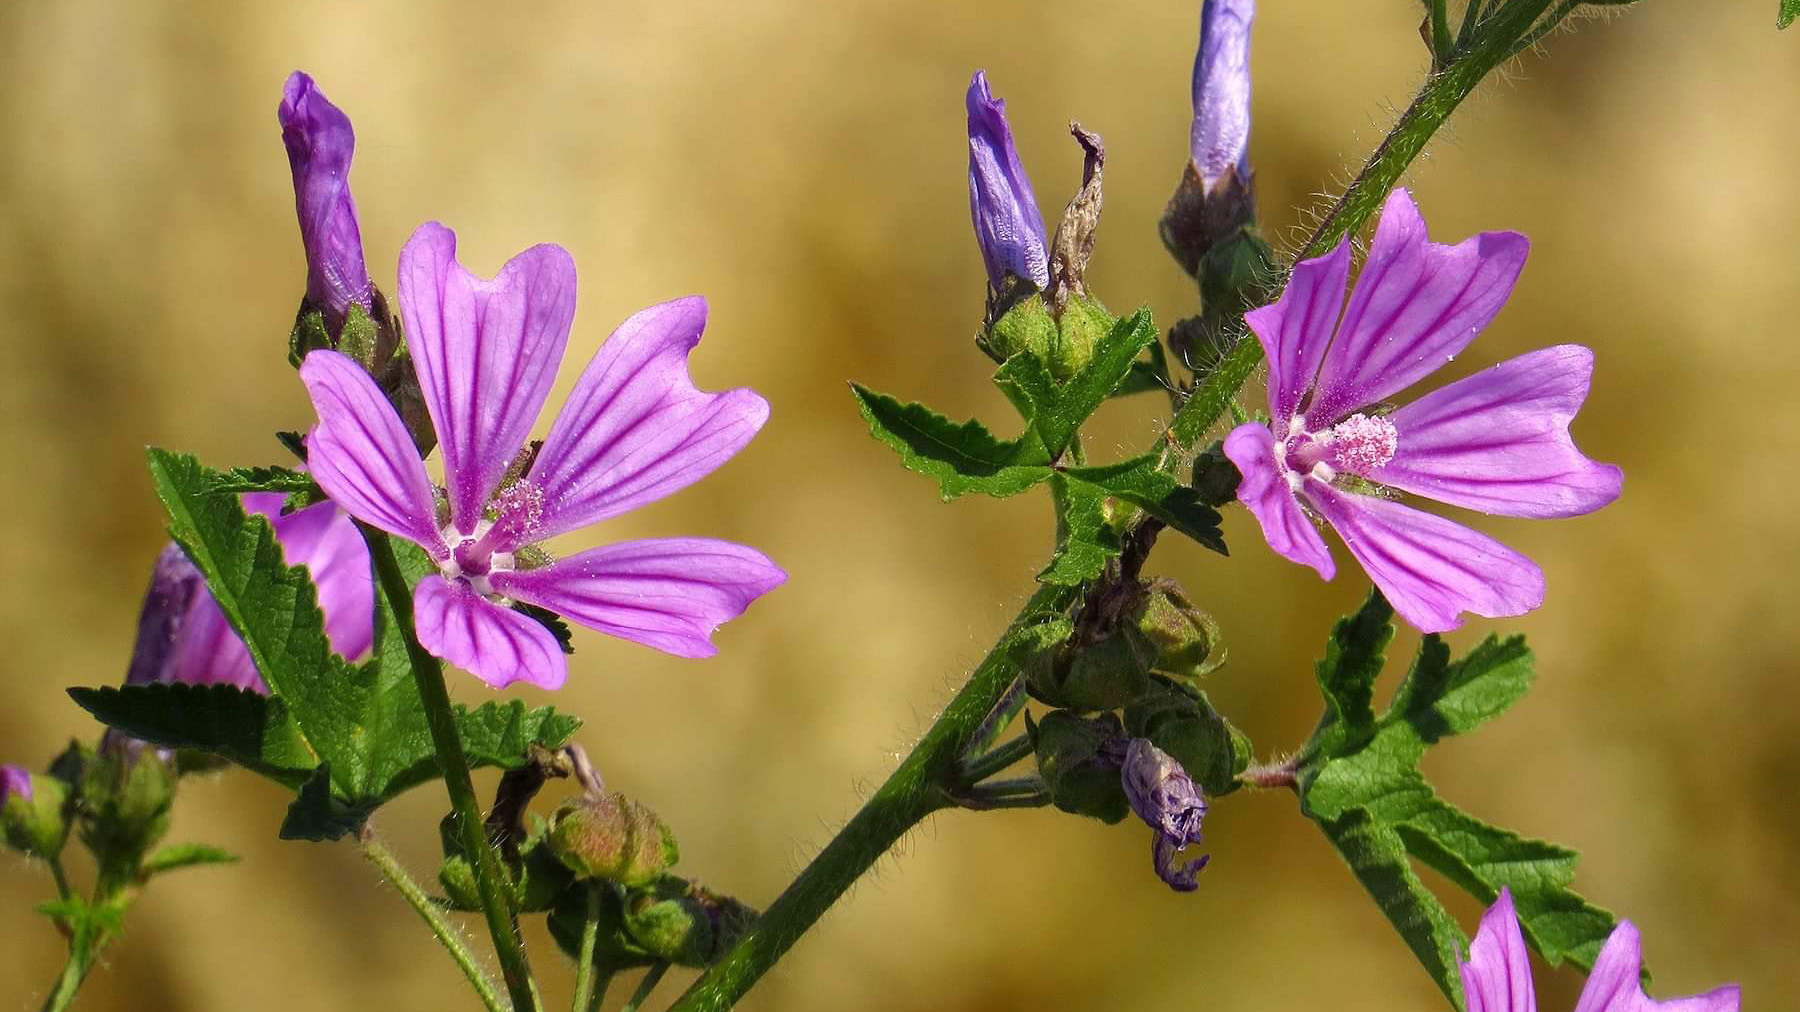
(1216, 478)
(1101, 676)
(1185, 725)
(612, 838)
(1083, 324)
(458, 880)
(33, 812)
(127, 790)
(1075, 758)
(1186, 639)
(1025, 328)
(613, 949)
(683, 922)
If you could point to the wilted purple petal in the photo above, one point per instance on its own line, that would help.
(635, 429)
(319, 145)
(1296, 329)
(360, 453)
(14, 780)
(1008, 225)
(668, 593)
(1497, 977)
(1163, 795)
(1430, 569)
(486, 354)
(1416, 305)
(1264, 491)
(1614, 986)
(1220, 138)
(322, 538)
(1498, 441)
(495, 644)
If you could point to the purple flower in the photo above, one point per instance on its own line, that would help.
(1497, 442)
(634, 430)
(1220, 140)
(1164, 796)
(319, 143)
(1007, 222)
(183, 636)
(14, 780)
(1497, 977)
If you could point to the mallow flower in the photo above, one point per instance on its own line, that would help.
(1219, 141)
(319, 144)
(634, 430)
(1496, 442)
(1497, 976)
(183, 636)
(1008, 225)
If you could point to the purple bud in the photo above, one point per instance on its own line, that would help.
(1164, 796)
(1221, 134)
(319, 144)
(1007, 222)
(173, 584)
(14, 780)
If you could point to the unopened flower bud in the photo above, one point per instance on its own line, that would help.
(1008, 225)
(1214, 200)
(33, 812)
(1079, 760)
(1162, 794)
(1103, 675)
(127, 791)
(612, 837)
(1183, 723)
(319, 143)
(684, 923)
(1186, 638)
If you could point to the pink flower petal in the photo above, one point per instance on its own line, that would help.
(360, 454)
(209, 652)
(1431, 569)
(635, 428)
(495, 644)
(669, 593)
(1265, 493)
(322, 538)
(1498, 441)
(1613, 986)
(1296, 329)
(1497, 977)
(486, 354)
(1416, 305)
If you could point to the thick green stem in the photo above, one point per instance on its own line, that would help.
(645, 986)
(1443, 92)
(915, 790)
(81, 958)
(384, 861)
(489, 878)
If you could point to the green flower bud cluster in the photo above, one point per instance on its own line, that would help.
(1063, 341)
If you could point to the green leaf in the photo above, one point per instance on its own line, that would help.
(1361, 783)
(964, 458)
(260, 479)
(247, 728)
(1056, 411)
(184, 855)
(1790, 10)
(1141, 482)
(1084, 540)
(565, 637)
(318, 815)
(1142, 379)
(1378, 858)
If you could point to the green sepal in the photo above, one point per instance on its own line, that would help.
(359, 338)
(614, 950)
(683, 922)
(1068, 748)
(1081, 331)
(309, 335)
(38, 825)
(1183, 723)
(126, 796)
(1790, 10)
(1026, 328)
(613, 838)
(1056, 406)
(184, 855)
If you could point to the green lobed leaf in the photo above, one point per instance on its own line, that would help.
(1056, 411)
(1362, 785)
(248, 728)
(1790, 10)
(1141, 482)
(565, 637)
(1084, 540)
(963, 458)
(184, 855)
(239, 480)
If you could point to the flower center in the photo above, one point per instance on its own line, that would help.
(472, 558)
(1358, 444)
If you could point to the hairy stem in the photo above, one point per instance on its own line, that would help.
(584, 968)
(645, 986)
(428, 672)
(390, 868)
(81, 958)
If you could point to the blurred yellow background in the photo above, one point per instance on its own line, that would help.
(802, 165)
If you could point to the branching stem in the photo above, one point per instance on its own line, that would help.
(446, 934)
